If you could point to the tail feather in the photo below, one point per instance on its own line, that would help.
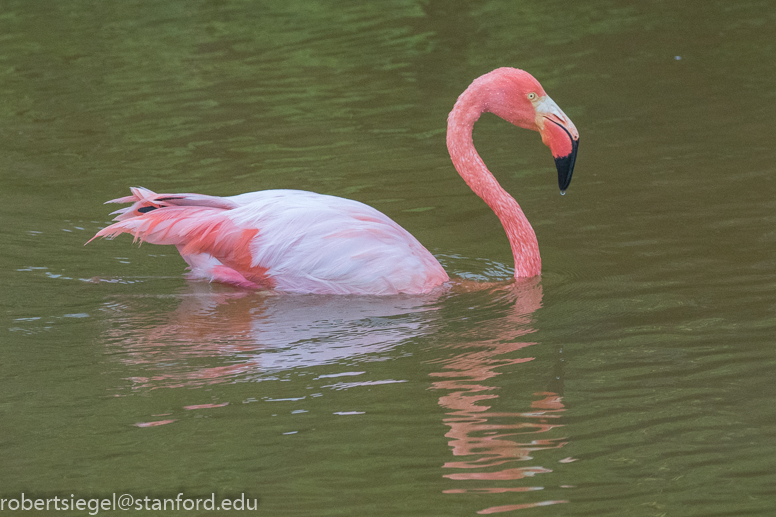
(198, 225)
(171, 225)
(144, 200)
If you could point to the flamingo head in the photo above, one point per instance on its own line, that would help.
(517, 97)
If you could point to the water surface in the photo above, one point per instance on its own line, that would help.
(635, 377)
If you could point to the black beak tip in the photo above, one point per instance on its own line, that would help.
(565, 166)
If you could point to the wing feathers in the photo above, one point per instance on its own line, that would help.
(195, 230)
(144, 200)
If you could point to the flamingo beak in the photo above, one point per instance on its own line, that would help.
(561, 136)
(565, 166)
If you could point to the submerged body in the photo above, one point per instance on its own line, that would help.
(304, 242)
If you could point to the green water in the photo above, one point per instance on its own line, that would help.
(635, 377)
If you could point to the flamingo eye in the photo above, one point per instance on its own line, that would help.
(531, 96)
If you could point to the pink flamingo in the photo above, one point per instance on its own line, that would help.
(298, 241)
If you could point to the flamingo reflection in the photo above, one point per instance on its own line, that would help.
(490, 445)
(216, 336)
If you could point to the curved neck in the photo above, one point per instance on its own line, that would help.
(472, 169)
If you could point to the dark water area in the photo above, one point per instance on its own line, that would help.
(634, 377)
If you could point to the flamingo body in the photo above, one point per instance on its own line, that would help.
(289, 240)
(299, 241)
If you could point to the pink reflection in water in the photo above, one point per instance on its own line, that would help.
(222, 336)
(487, 443)
(513, 507)
(154, 424)
(205, 406)
(509, 474)
(493, 490)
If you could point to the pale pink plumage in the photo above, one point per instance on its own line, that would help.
(299, 241)
(284, 239)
